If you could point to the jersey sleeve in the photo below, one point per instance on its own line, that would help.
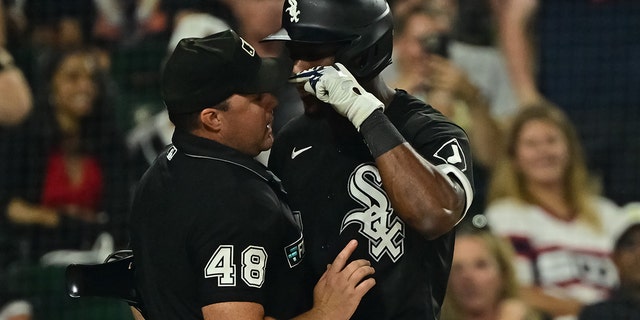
(446, 146)
(231, 245)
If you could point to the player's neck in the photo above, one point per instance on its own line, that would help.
(380, 89)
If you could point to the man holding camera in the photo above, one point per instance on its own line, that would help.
(432, 67)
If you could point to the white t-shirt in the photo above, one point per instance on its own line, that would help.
(565, 258)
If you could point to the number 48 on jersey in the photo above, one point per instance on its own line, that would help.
(221, 266)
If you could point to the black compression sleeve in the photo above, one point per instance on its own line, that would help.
(380, 134)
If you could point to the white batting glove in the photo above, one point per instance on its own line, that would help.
(336, 86)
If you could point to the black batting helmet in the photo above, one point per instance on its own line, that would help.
(362, 31)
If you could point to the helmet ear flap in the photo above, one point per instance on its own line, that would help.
(366, 63)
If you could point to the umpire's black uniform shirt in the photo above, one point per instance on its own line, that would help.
(208, 225)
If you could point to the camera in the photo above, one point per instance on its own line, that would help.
(436, 44)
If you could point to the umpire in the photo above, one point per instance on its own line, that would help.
(211, 235)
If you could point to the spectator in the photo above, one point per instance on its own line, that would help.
(582, 55)
(15, 105)
(203, 18)
(151, 134)
(473, 53)
(540, 198)
(482, 284)
(624, 303)
(16, 310)
(426, 68)
(15, 93)
(54, 26)
(128, 22)
(65, 176)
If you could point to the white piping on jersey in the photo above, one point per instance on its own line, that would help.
(466, 185)
(227, 161)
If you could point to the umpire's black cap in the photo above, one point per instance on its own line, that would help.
(202, 72)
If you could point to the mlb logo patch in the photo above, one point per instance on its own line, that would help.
(452, 153)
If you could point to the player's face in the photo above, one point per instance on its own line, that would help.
(542, 153)
(475, 281)
(305, 57)
(247, 122)
(627, 259)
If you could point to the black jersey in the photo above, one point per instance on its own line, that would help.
(209, 225)
(332, 181)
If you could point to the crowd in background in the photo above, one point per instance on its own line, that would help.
(546, 91)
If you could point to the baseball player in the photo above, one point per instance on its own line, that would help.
(211, 234)
(369, 162)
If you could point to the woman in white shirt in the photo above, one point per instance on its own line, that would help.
(541, 199)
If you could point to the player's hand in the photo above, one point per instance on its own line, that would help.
(336, 86)
(342, 286)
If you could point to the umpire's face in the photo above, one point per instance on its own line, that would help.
(246, 124)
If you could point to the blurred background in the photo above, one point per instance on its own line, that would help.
(81, 116)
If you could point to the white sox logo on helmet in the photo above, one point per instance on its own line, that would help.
(293, 11)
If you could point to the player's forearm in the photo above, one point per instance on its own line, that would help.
(420, 194)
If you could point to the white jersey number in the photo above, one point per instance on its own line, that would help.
(221, 266)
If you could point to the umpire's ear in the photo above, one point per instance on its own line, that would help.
(211, 119)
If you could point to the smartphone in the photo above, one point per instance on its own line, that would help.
(436, 44)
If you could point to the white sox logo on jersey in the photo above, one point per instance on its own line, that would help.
(384, 230)
(293, 11)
